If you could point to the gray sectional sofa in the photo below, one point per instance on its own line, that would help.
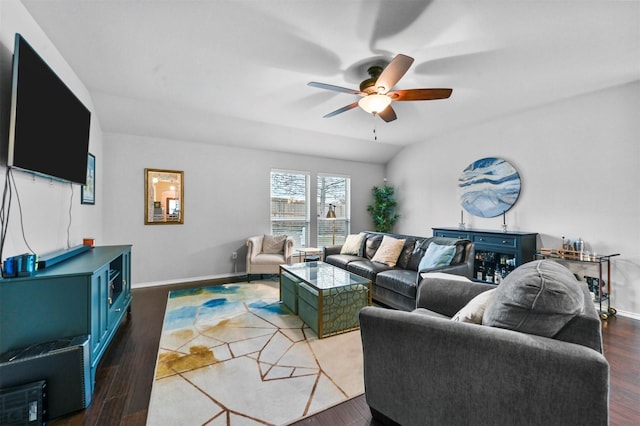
(396, 286)
(534, 358)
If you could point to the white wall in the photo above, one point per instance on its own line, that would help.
(226, 200)
(50, 212)
(578, 161)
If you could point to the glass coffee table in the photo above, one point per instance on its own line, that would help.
(328, 299)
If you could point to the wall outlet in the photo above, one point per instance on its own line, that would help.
(234, 255)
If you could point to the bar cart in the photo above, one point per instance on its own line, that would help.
(598, 288)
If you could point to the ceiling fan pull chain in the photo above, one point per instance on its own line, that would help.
(375, 135)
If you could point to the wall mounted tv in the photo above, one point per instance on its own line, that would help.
(49, 125)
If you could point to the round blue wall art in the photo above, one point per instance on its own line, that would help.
(489, 187)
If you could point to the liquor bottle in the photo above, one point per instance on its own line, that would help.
(479, 272)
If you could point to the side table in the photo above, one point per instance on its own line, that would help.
(309, 254)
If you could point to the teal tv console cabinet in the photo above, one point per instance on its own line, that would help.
(87, 294)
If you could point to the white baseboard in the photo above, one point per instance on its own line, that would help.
(628, 315)
(185, 280)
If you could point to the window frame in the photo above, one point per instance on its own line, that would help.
(342, 222)
(280, 224)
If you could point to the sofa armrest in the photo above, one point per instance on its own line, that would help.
(254, 246)
(329, 250)
(288, 249)
(421, 370)
(462, 266)
(461, 269)
(447, 296)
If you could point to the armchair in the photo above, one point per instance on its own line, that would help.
(265, 254)
(423, 368)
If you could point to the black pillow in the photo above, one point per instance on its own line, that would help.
(372, 245)
(418, 251)
(405, 254)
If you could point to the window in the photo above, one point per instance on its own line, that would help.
(290, 206)
(333, 194)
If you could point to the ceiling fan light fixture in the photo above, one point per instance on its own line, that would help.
(374, 103)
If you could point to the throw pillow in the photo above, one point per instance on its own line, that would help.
(539, 297)
(405, 254)
(473, 311)
(436, 255)
(388, 251)
(418, 251)
(371, 245)
(352, 244)
(273, 243)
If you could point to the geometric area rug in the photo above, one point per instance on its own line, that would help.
(233, 355)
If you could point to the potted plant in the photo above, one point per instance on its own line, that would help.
(383, 208)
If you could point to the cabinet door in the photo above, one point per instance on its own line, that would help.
(99, 310)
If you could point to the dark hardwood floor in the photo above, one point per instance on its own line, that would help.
(125, 374)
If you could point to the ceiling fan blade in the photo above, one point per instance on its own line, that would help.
(335, 88)
(341, 110)
(393, 72)
(388, 114)
(420, 94)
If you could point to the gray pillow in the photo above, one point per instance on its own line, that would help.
(273, 243)
(539, 297)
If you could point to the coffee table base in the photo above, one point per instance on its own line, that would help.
(326, 309)
(332, 311)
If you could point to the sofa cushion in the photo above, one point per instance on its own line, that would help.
(388, 251)
(367, 268)
(353, 244)
(401, 281)
(273, 243)
(474, 310)
(539, 297)
(371, 245)
(437, 255)
(341, 260)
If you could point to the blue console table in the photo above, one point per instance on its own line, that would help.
(88, 294)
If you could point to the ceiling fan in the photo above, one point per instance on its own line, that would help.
(376, 94)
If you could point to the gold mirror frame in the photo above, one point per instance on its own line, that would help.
(163, 190)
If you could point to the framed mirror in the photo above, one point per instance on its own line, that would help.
(163, 197)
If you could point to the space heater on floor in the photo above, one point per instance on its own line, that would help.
(64, 366)
(24, 404)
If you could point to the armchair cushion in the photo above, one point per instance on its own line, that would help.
(273, 243)
(539, 297)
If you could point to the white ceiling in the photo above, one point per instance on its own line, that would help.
(235, 72)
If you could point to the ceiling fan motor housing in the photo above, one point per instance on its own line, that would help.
(368, 86)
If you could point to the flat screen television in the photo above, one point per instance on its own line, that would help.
(49, 125)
